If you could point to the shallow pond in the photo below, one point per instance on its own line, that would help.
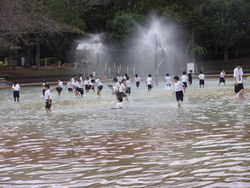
(151, 142)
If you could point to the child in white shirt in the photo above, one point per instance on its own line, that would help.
(128, 85)
(119, 104)
(48, 99)
(149, 82)
(122, 90)
(168, 80)
(222, 77)
(201, 79)
(178, 90)
(184, 79)
(99, 85)
(137, 80)
(16, 89)
(59, 87)
(69, 86)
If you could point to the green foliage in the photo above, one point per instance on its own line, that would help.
(225, 21)
(122, 26)
(65, 12)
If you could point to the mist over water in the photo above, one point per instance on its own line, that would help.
(159, 45)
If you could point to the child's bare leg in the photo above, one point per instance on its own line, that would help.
(98, 92)
(127, 98)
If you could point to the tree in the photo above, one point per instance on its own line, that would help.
(25, 21)
(122, 27)
(225, 20)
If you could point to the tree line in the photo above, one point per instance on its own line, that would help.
(212, 29)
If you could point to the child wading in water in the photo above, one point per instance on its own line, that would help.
(16, 89)
(59, 87)
(99, 85)
(137, 80)
(222, 77)
(48, 99)
(149, 82)
(168, 80)
(122, 90)
(240, 94)
(190, 77)
(184, 80)
(119, 104)
(201, 79)
(178, 90)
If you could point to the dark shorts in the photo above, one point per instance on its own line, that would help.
(238, 88)
(86, 87)
(128, 91)
(70, 89)
(44, 92)
(150, 86)
(202, 82)
(121, 94)
(92, 87)
(16, 94)
(137, 84)
(80, 90)
(179, 95)
(47, 105)
(59, 89)
(185, 84)
(190, 79)
(222, 79)
(100, 87)
(168, 85)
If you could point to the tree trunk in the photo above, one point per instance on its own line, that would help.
(225, 54)
(58, 56)
(37, 53)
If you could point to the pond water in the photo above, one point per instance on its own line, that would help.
(149, 143)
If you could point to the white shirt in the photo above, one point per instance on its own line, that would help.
(80, 78)
(60, 84)
(119, 78)
(122, 88)
(201, 76)
(178, 86)
(69, 85)
(149, 81)
(90, 83)
(86, 82)
(80, 85)
(98, 83)
(128, 83)
(137, 79)
(116, 86)
(16, 88)
(222, 74)
(238, 74)
(119, 105)
(184, 78)
(168, 80)
(75, 83)
(47, 94)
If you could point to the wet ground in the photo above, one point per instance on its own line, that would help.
(149, 143)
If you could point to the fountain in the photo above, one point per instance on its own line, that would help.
(158, 47)
(92, 52)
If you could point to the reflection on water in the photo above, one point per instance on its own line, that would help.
(149, 143)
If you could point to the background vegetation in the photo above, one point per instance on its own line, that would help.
(212, 29)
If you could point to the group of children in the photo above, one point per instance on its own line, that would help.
(122, 87)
